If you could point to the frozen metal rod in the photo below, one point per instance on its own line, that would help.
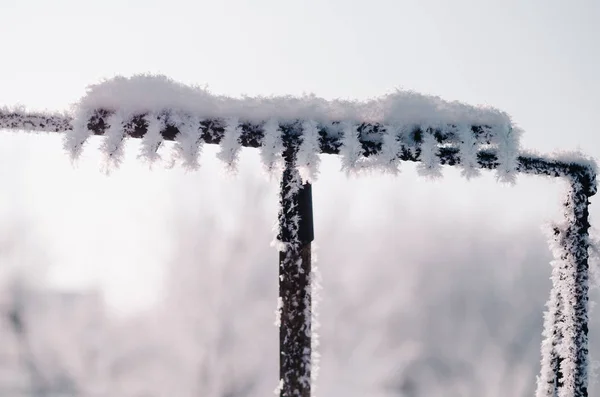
(573, 357)
(296, 233)
(212, 131)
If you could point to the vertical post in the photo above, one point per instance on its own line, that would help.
(575, 300)
(557, 332)
(551, 379)
(296, 234)
(558, 318)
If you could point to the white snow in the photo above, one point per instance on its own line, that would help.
(400, 111)
(156, 93)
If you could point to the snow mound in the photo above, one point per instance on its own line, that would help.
(420, 122)
(145, 93)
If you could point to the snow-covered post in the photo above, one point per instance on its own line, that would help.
(573, 354)
(295, 235)
(550, 378)
(565, 345)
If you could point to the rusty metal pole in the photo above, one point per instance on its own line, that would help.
(296, 232)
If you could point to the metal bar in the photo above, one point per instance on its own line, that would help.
(296, 234)
(557, 334)
(32, 121)
(575, 273)
(553, 333)
(370, 137)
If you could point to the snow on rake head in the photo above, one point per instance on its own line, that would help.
(291, 133)
(157, 108)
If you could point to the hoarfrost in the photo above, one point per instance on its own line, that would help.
(114, 138)
(406, 111)
(468, 152)
(152, 140)
(351, 150)
(75, 139)
(272, 148)
(507, 153)
(230, 144)
(594, 260)
(188, 143)
(430, 165)
(143, 94)
(387, 158)
(278, 312)
(565, 322)
(279, 388)
(307, 157)
(552, 331)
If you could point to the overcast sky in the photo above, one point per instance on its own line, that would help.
(537, 60)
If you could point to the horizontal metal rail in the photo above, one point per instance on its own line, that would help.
(370, 137)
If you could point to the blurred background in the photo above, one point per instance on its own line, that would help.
(161, 282)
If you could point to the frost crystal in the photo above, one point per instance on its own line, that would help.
(565, 344)
(114, 138)
(552, 333)
(430, 164)
(351, 149)
(508, 153)
(230, 144)
(153, 138)
(76, 138)
(278, 312)
(188, 143)
(307, 158)
(468, 152)
(279, 388)
(387, 158)
(272, 147)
